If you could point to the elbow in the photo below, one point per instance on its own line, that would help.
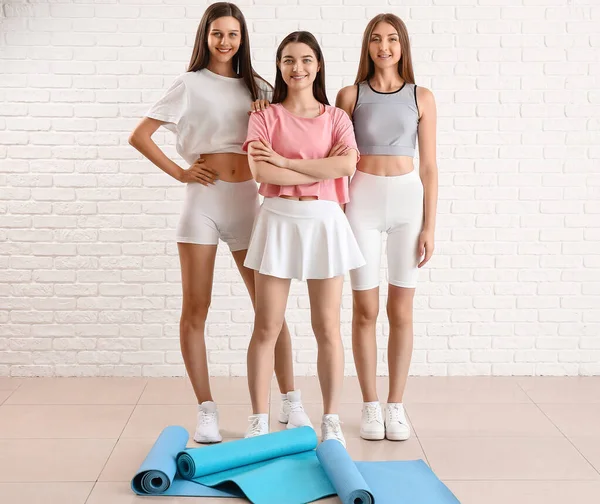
(134, 139)
(428, 169)
(350, 166)
(256, 172)
(349, 170)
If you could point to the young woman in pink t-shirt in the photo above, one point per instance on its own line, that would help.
(302, 152)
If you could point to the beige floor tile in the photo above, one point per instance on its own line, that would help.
(45, 493)
(128, 455)
(57, 460)
(360, 449)
(474, 420)
(526, 492)
(147, 421)
(464, 389)
(50, 421)
(574, 419)
(79, 391)
(232, 390)
(590, 449)
(562, 389)
(7, 383)
(506, 459)
(4, 395)
(121, 493)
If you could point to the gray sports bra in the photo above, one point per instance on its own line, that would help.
(386, 123)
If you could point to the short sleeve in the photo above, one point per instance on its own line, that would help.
(265, 91)
(344, 131)
(257, 129)
(171, 106)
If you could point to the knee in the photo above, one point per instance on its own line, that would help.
(400, 313)
(266, 331)
(365, 314)
(194, 313)
(327, 332)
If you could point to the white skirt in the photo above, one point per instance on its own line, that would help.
(306, 240)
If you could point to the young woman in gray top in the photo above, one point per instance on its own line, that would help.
(387, 195)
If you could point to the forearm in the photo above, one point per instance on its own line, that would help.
(429, 178)
(264, 172)
(146, 146)
(325, 168)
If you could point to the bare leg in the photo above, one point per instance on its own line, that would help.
(365, 308)
(284, 366)
(400, 346)
(271, 300)
(197, 268)
(325, 302)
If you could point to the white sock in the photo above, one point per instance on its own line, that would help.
(332, 416)
(372, 403)
(262, 416)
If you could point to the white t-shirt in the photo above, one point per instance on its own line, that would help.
(208, 112)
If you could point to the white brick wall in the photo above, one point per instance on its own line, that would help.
(89, 276)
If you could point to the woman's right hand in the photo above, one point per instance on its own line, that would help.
(199, 173)
(338, 149)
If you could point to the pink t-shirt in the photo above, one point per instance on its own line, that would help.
(296, 137)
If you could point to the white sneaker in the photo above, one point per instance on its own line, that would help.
(207, 428)
(396, 425)
(292, 412)
(371, 424)
(259, 425)
(331, 428)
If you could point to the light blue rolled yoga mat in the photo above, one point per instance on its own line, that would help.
(283, 468)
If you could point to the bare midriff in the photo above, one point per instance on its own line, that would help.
(385, 166)
(231, 167)
(301, 198)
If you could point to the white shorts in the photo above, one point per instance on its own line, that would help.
(305, 240)
(386, 204)
(225, 210)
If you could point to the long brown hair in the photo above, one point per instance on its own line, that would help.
(366, 67)
(281, 88)
(242, 65)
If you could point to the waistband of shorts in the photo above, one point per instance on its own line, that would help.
(299, 208)
(222, 186)
(382, 179)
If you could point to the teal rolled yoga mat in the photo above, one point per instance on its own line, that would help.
(274, 469)
(194, 463)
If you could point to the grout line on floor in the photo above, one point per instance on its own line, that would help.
(142, 393)
(559, 430)
(113, 449)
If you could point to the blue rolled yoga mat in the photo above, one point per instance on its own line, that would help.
(283, 468)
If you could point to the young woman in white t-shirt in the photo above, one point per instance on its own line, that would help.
(207, 108)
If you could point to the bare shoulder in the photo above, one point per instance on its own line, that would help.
(424, 96)
(346, 99)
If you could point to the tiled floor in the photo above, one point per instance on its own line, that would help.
(491, 440)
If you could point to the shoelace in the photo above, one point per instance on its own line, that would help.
(254, 429)
(207, 417)
(335, 426)
(395, 414)
(296, 407)
(372, 414)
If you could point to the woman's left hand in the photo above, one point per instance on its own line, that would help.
(262, 151)
(258, 105)
(425, 249)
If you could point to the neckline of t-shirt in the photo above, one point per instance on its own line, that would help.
(210, 73)
(325, 109)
